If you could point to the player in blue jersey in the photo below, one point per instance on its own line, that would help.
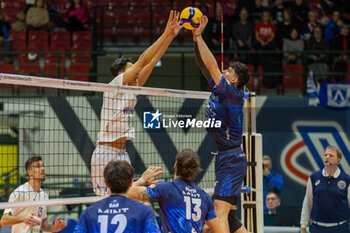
(118, 213)
(185, 207)
(327, 198)
(225, 105)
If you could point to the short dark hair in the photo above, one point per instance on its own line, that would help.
(274, 192)
(188, 164)
(119, 65)
(242, 71)
(336, 149)
(118, 175)
(32, 160)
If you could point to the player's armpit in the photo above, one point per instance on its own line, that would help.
(214, 225)
(138, 193)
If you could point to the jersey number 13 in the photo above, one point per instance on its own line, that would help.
(197, 212)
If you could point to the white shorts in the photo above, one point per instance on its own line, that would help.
(99, 160)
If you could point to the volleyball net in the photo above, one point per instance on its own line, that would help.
(62, 126)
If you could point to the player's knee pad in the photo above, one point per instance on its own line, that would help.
(234, 223)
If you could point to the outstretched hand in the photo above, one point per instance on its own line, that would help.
(173, 24)
(151, 173)
(203, 21)
(59, 225)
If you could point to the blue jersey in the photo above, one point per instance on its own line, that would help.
(330, 197)
(226, 105)
(184, 206)
(117, 214)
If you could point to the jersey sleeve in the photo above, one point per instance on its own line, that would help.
(227, 89)
(81, 227)
(117, 80)
(157, 191)
(150, 222)
(211, 211)
(14, 197)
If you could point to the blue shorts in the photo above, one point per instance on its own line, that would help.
(343, 228)
(230, 170)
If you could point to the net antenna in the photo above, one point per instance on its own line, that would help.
(252, 202)
(222, 42)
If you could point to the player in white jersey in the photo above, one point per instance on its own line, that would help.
(32, 219)
(118, 107)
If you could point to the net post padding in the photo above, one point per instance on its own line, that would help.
(252, 203)
(98, 87)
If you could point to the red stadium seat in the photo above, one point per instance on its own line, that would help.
(60, 41)
(51, 65)
(19, 42)
(80, 59)
(79, 69)
(347, 77)
(10, 8)
(26, 66)
(291, 81)
(82, 41)
(38, 40)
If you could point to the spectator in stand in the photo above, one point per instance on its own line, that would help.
(213, 30)
(308, 28)
(272, 181)
(318, 61)
(300, 10)
(283, 29)
(78, 16)
(29, 4)
(333, 27)
(37, 17)
(342, 60)
(277, 10)
(5, 41)
(328, 6)
(265, 41)
(243, 31)
(256, 11)
(55, 15)
(247, 4)
(293, 48)
(273, 201)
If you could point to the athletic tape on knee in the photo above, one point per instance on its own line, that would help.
(233, 221)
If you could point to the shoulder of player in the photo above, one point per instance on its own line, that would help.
(118, 80)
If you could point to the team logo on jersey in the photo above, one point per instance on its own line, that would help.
(310, 140)
(151, 120)
(317, 182)
(341, 184)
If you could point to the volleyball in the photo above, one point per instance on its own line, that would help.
(190, 17)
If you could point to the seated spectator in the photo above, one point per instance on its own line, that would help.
(293, 48)
(272, 181)
(37, 17)
(341, 61)
(333, 27)
(55, 15)
(78, 16)
(5, 42)
(273, 201)
(318, 61)
(277, 11)
(29, 4)
(300, 10)
(283, 29)
(212, 34)
(242, 32)
(308, 28)
(256, 11)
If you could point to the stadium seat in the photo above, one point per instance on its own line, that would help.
(291, 81)
(50, 68)
(38, 40)
(19, 42)
(60, 41)
(78, 69)
(10, 8)
(347, 77)
(80, 59)
(82, 41)
(26, 66)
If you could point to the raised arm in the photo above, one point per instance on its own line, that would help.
(146, 57)
(173, 26)
(199, 60)
(207, 57)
